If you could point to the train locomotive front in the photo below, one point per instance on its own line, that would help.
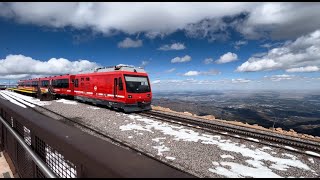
(120, 87)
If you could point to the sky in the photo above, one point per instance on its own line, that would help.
(182, 46)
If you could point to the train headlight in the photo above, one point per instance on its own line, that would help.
(129, 96)
(148, 95)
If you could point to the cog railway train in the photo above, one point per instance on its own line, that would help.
(121, 87)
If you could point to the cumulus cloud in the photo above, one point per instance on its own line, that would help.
(301, 55)
(282, 20)
(226, 58)
(208, 61)
(174, 46)
(192, 73)
(183, 59)
(129, 43)
(207, 73)
(20, 66)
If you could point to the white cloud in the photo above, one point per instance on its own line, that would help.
(240, 80)
(155, 81)
(226, 58)
(170, 70)
(207, 73)
(280, 77)
(186, 58)
(301, 55)
(192, 73)
(174, 46)
(12, 76)
(208, 61)
(283, 20)
(129, 43)
(20, 66)
(304, 69)
(144, 63)
(237, 44)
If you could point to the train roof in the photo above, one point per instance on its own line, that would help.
(115, 69)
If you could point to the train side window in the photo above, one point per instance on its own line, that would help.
(82, 79)
(120, 84)
(87, 79)
(76, 83)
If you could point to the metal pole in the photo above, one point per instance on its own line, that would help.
(43, 167)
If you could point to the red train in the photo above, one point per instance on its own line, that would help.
(121, 87)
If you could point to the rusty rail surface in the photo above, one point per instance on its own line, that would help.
(70, 152)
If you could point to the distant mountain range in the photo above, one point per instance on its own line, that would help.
(299, 111)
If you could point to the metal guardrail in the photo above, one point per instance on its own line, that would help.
(42, 166)
(69, 152)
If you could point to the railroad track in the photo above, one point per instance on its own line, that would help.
(306, 147)
(214, 127)
(113, 139)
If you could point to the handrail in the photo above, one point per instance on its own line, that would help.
(42, 166)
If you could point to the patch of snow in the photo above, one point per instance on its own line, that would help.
(311, 160)
(170, 158)
(253, 139)
(130, 137)
(12, 100)
(290, 148)
(90, 107)
(289, 155)
(161, 149)
(266, 148)
(29, 99)
(227, 156)
(65, 101)
(158, 139)
(313, 153)
(215, 163)
(236, 170)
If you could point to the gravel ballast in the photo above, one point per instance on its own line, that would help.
(193, 150)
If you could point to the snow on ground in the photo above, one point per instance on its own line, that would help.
(12, 100)
(311, 160)
(161, 149)
(290, 148)
(28, 99)
(313, 153)
(253, 139)
(65, 101)
(170, 158)
(227, 156)
(258, 162)
(91, 107)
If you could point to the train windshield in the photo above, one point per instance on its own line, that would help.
(137, 84)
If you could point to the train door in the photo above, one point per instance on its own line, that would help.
(115, 87)
(71, 85)
(118, 91)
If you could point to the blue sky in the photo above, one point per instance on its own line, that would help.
(223, 46)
